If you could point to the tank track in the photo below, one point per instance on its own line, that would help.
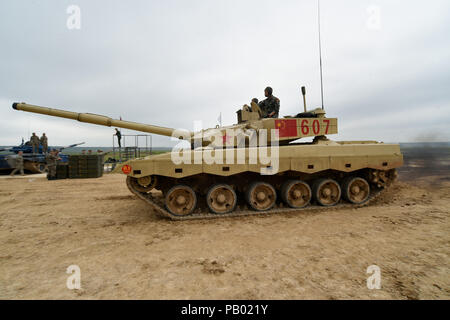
(239, 212)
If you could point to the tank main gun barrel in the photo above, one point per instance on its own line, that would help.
(71, 146)
(101, 120)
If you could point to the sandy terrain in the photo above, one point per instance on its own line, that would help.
(125, 251)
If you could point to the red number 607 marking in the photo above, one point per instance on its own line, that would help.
(316, 127)
(305, 127)
(327, 121)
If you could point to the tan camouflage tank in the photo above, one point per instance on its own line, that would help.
(254, 167)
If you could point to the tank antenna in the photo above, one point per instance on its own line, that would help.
(320, 53)
(304, 97)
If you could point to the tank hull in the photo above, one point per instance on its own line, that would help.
(306, 159)
(319, 168)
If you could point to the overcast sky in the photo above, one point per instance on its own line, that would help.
(170, 63)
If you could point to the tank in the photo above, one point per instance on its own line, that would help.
(32, 162)
(257, 166)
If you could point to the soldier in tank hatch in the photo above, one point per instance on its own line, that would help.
(270, 107)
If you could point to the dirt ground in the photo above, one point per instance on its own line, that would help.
(124, 251)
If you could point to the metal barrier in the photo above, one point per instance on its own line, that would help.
(132, 146)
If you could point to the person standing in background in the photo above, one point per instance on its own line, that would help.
(119, 137)
(44, 143)
(34, 140)
(18, 164)
(52, 159)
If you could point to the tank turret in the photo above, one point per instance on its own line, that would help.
(247, 132)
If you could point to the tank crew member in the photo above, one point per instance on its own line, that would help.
(255, 107)
(52, 158)
(44, 143)
(34, 140)
(119, 137)
(18, 164)
(271, 105)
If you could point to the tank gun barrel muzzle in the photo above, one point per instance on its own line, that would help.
(101, 120)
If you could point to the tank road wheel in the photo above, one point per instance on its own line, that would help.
(296, 194)
(181, 200)
(261, 196)
(326, 192)
(356, 190)
(148, 182)
(143, 184)
(221, 199)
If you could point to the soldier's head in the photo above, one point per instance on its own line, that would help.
(268, 91)
(20, 153)
(34, 133)
(117, 130)
(255, 100)
(43, 134)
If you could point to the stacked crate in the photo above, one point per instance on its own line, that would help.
(85, 166)
(62, 171)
